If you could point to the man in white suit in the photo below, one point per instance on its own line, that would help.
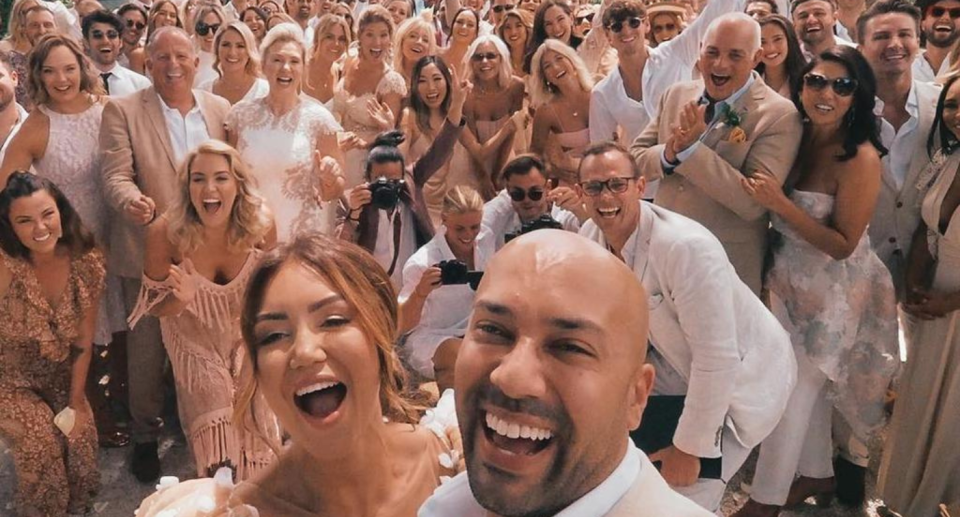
(713, 341)
(550, 380)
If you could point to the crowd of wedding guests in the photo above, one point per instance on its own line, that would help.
(404, 257)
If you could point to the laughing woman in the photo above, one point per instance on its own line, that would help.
(415, 38)
(466, 27)
(319, 322)
(198, 258)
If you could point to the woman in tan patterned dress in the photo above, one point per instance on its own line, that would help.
(51, 275)
(199, 256)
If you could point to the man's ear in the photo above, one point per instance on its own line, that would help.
(757, 56)
(642, 185)
(639, 394)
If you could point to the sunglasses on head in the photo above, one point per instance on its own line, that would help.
(203, 29)
(634, 23)
(502, 8)
(136, 25)
(111, 34)
(938, 11)
(489, 56)
(842, 86)
(615, 185)
(589, 18)
(518, 194)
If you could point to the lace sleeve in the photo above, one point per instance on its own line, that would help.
(442, 421)
(151, 294)
(90, 277)
(392, 83)
(322, 122)
(195, 498)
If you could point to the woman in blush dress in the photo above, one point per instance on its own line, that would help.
(60, 140)
(238, 63)
(515, 30)
(921, 461)
(370, 93)
(415, 39)
(560, 91)
(827, 286)
(464, 31)
(289, 141)
(199, 256)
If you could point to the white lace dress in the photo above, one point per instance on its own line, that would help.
(72, 162)
(206, 353)
(279, 151)
(352, 110)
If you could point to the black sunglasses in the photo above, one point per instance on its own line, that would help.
(938, 11)
(502, 8)
(588, 18)
(136, 25)
(111, 34)
(203, 29)
(634, 22)
(489, 56)
(518, 194)
(616, 185)
(842, 86)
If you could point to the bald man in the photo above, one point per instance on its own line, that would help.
(549, 384)
(708, 134)
(725, 366)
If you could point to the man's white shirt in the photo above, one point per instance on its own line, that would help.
(901, 145)
(924, 72)
(186, 132)
(123, 81)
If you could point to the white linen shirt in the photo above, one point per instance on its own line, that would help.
(924, 72)
(902, 144)
(455, 498)
(500, 218)
(186, 132)
(123, 81)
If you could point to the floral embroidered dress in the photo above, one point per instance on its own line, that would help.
(279, 151)
(842, 313)
(55, 473)
(206, 353)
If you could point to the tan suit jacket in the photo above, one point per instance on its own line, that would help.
(138, 159)
(706, 186)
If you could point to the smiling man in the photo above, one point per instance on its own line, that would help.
(549, 383)
(940, 27)
(101, 39)
(710, 134)
(816, 24)
(143, 138)
(725, 366)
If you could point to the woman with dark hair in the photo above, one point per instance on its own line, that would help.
(827, 286)
(553, 20)
(515, 30)
(256, 19)
(51, 276)
(781, 60)
(163, 13)
(921, 460)
(319, 322)
(463, 32)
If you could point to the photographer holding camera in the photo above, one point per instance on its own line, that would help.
(438, 287)
(528, 203)
(387, 215)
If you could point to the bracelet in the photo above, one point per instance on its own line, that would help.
(354, 219)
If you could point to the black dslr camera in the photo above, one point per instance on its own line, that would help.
(385, 193)
(455, 272)
(543, 222)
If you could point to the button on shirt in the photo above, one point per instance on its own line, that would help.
(901, 144)
(186, 132)
(455, 497)
(122, 81)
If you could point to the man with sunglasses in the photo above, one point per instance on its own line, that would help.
(710, 134)
(528, 196)
(499, 9)
(627, 99)
(940, 28)
(725, 367)
(101, 39)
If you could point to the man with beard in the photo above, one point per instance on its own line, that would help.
(549, 383)
(303, 11)
(815, 21)
(940, 27)
(12, 114)
(526, 197)
(101, 38)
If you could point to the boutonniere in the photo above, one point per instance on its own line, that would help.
(734, 120)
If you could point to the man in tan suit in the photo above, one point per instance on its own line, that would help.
(144, 137)
(710, 134)
(549, 384)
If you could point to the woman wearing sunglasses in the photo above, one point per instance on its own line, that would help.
(209, 18)
(827, 286)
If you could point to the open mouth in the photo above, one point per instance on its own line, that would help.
(608, 213)
(719, 80)
(285, 80)
(43, 238)
(232, 60)
(771, 57)
(376, 53)
(895, 56)
(417, 49)
(212, 206)
(62, 89)
(514, 438)
(433, 97)
(321, 400)
(824, 108)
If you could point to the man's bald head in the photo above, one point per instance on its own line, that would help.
(555, 347)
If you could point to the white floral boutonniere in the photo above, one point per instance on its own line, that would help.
(734, 120)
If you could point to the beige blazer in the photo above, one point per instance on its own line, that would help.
(650, 496)
(706, 186)
(138, 159)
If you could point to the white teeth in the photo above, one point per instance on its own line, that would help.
(772, 56)
(320, 386)
(824, 107)
(42, 239)
(512, 430)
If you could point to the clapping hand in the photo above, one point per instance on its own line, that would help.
(690, 128)
(141, 210)
(764, 188)
(520, 120)
(182, 281)
(330, 175)
(381, 114)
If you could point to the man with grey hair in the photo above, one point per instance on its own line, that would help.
(710, 134)
(144, 137)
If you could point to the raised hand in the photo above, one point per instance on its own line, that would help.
(381, 114)
(182, 281)
(429, 282)
(350, 141)
(330, 175)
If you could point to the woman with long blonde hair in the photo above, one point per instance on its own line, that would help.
(238, 63)
(332, 38)
(415, 38)
(199, 256)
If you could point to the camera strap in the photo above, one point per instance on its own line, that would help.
(397, 232)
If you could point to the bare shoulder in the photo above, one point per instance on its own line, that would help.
(34, 133)
(865, 165)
